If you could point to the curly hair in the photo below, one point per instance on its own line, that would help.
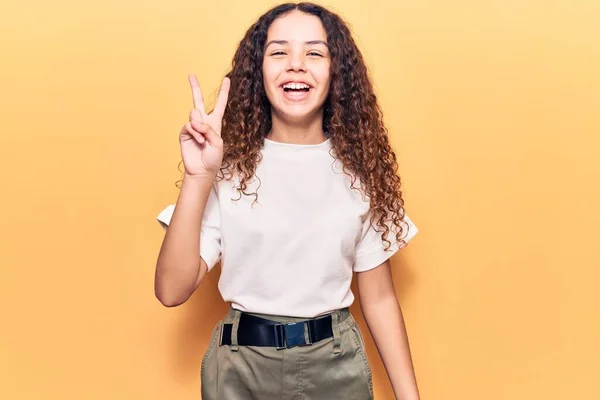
(352, 118)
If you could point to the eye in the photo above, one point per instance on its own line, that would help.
(314, 53)
(278, 53)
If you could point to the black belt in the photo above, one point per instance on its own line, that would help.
(255, 331)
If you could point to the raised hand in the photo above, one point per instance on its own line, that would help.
(200, 138)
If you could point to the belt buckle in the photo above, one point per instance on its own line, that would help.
(290, 335)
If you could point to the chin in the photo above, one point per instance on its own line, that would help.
(296, 114)
(298, 110)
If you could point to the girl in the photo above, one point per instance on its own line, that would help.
(291, 183)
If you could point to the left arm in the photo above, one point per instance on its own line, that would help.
(384, 318)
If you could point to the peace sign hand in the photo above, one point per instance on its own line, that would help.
(200, 138)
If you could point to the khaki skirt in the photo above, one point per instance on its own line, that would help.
(333, 368)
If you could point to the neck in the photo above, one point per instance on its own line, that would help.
(302, 131)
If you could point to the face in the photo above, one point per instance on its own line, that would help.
(296, 65)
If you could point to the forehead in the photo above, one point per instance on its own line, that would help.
(297, 26)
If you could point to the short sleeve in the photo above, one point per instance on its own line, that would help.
(370, 251)
(210, 233)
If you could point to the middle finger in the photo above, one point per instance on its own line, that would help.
(196, 93)
(196, 115)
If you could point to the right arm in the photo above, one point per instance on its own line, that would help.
(179, 268)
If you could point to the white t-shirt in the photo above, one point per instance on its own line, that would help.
(293, 252)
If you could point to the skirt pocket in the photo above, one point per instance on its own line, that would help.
(360, 345)
(209, 367)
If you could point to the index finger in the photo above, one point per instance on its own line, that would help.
(196, 93)
(222, 99)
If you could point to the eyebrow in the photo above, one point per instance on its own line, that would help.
(310, 42)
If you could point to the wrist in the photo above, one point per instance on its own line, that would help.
(208, 177)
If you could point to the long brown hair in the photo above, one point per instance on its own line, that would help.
(352, 118)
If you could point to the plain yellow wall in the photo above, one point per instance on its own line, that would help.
(493, 109)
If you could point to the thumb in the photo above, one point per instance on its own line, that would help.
(210, 134)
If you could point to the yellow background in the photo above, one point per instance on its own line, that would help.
(493, 109)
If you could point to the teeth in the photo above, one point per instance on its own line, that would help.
(294, 85)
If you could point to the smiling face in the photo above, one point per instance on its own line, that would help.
(296, 65)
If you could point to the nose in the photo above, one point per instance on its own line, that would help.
(296, 63)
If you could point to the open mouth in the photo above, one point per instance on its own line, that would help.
(295, 87)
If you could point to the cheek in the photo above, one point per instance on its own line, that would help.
(324, 78)
(267, 83)
(265, 73)
(269, 77)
